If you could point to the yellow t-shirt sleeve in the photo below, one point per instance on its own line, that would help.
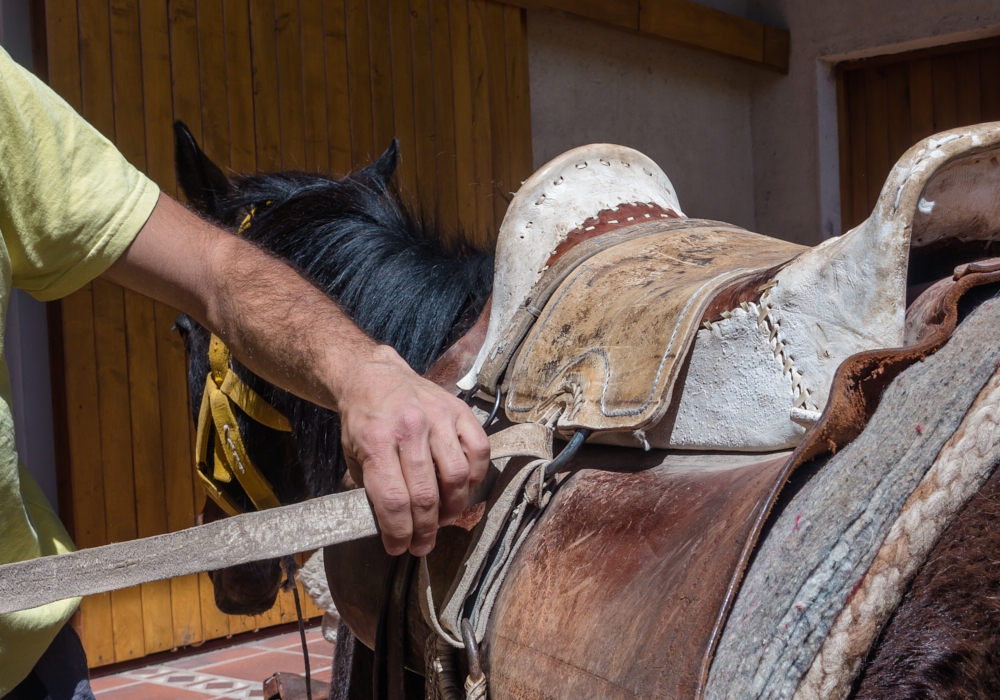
(70, 203)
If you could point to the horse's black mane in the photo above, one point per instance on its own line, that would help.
(356, 239)
(389, 270)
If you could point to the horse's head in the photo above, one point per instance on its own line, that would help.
(355, 239)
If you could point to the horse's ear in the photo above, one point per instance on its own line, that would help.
(204, 184)
(379, 174)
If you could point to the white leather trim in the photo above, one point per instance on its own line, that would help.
(842, 297)
(737, 393)
(557, 199)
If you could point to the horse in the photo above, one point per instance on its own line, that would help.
(395, 275)
(391, 272)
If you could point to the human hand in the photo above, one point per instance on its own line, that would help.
(414, 447)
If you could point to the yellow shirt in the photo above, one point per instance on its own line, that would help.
(69, 206)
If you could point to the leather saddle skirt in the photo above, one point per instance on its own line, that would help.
(609, 345)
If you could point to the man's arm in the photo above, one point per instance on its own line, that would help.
(407, 435)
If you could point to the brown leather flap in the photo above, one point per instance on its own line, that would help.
(607, 347)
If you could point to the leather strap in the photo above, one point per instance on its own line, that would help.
(312, 524)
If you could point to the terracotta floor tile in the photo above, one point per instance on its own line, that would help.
(279, 642)
(149, 691)
(109, 682)
(214, 657)
(258, 668)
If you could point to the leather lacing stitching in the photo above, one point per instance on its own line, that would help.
(770, 325)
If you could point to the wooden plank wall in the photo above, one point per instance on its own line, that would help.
(320, 85)
(887, 104)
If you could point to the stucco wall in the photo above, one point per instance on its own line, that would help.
(794, 116)
(687, 110)
(741, 144)
(26, 340)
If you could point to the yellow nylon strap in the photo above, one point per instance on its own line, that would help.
(218, 358)
(221, 498)
(220, 472)
(251, 403)
(253, 482)
(246, 222)
(229, 456)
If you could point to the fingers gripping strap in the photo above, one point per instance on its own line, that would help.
(519, 440)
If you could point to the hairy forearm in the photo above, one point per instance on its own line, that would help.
(413, 446)
(279, 325)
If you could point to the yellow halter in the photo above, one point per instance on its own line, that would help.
(229, 458)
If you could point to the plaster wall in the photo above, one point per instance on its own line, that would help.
(794, 117)
(741, 144)
(26, 339)
(687, 110)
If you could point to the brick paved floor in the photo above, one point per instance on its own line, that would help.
(233, 672)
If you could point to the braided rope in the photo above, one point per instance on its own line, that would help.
(963, 466)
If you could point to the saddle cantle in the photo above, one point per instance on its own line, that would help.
(692, 334)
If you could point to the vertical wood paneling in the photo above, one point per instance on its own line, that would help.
(239, 87)
(84, 449)
(945, 93)
(889, 103)
(859, 161)
(898, 111)
(518, 95)
(444, 116)
(321, 85)
(380, 51)
(359, 82)
(314, 87)
(967, 107)
(876, 132)
(465, 171)
(482, 146)
(921, 99)
(116, 450)
(264, 52)
(337, 93)
(843, 117)
(185, 72)
(212, 68)
(402, 95)
(496, 56)
(989, 83)
(179, 486)
(423, 104)
(290, 96)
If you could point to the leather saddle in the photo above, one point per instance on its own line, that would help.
(615, 313)
(657, 330)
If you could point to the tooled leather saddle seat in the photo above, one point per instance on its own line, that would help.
(615, 313)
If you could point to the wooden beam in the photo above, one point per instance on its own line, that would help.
(682, 22)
